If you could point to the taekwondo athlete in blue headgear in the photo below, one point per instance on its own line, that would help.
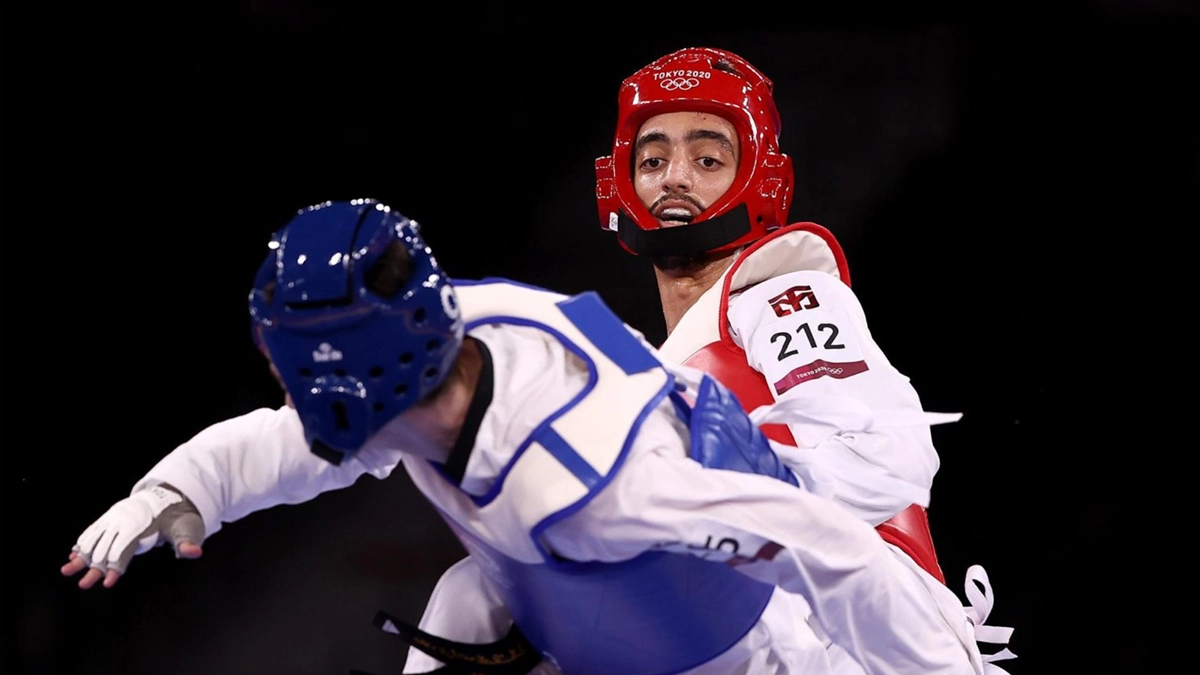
(629, 514)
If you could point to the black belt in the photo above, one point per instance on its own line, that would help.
(510, 655)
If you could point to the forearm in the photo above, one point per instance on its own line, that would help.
(866, 596)
(250, 463)
(874, 475)
(872, 602)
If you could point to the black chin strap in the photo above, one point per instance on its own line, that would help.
(686, 239)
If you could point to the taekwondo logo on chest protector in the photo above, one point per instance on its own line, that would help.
(809, 341)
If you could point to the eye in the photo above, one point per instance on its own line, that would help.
(711, 162)
(652, 163)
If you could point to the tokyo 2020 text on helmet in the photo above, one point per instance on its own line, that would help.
(358, 318)
(711, 81)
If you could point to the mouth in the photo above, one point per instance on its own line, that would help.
(674, 216)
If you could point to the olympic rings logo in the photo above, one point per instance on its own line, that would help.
(679, 83)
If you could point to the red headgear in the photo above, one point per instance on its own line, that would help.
(691, 80)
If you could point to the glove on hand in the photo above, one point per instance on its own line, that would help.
(136, 524)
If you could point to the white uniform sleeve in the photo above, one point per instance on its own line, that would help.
(864, 425)
(256, 461)
(868, 597)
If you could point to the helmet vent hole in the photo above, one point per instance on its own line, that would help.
(340, 419)
(305, 372)
(378, 406)
(376, 371)
(430, 374)
(419, 316)
(406, 359)
(400, 390)
(432, 345)
(340, 372)
(391, 273)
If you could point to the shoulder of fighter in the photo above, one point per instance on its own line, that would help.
(817, 286)
(497, 296)
(805, 315)
(797, 247)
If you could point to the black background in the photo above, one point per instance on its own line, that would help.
(1006, 183)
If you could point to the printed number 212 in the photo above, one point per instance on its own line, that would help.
(785, 349)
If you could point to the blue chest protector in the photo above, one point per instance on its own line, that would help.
(661, 612)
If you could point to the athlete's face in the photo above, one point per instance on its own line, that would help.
(682, 163)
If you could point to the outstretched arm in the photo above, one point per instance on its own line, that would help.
(256, 461)
(225, 472)
(867, 596)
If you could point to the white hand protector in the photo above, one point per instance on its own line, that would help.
(138, 523)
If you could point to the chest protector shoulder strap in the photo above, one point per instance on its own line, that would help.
(657, 614)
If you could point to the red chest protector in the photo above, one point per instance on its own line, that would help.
(724, 360)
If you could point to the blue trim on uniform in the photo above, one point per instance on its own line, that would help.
(661, 613)
(592, 378)
(538, 530)
(683, 407)
(566, 455)
(597, 322)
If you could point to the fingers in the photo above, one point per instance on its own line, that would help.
(103, 554)
(187, 529)
(110, 578)
(116, 549)
(110, 574)
(76, 565)
(93, 575)
(121, 563)
(109, 544)
(186, 549)
(77, 562)
(87, 540)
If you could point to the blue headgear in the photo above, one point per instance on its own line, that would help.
(352, 359)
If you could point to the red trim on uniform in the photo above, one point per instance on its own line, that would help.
(908, 530)
(838, 255)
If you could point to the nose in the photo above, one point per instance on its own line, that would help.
(678, 176)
